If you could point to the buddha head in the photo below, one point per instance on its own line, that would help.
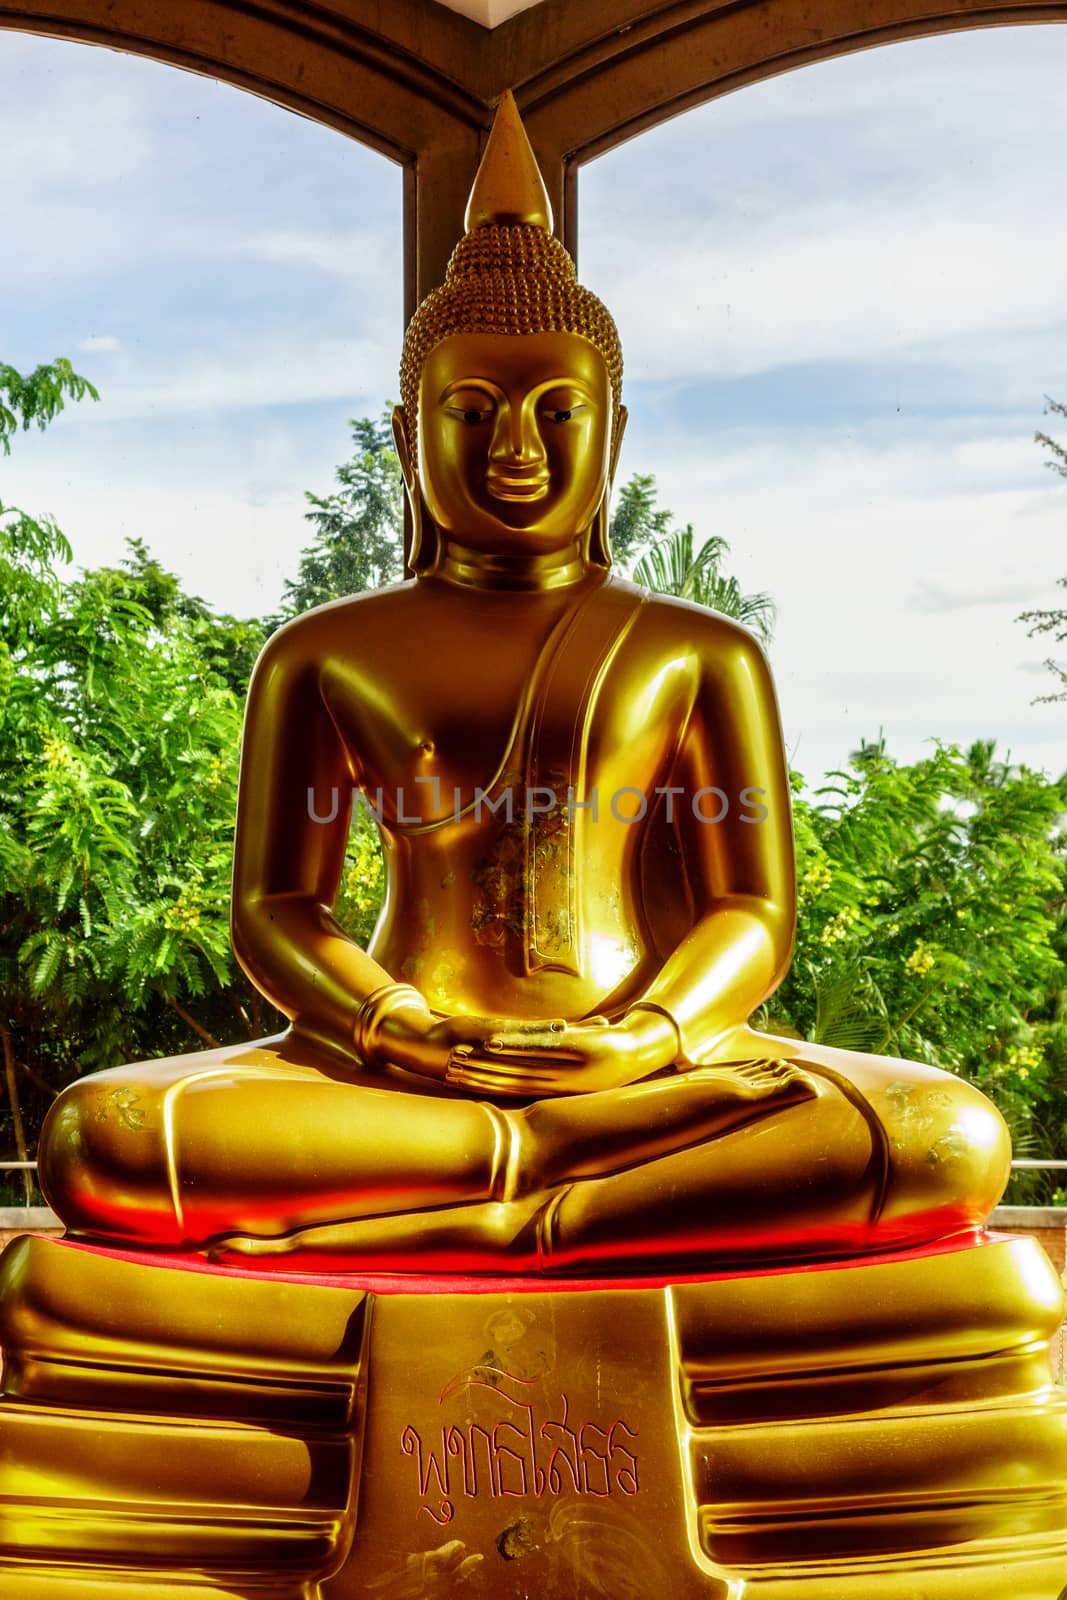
(511, 420)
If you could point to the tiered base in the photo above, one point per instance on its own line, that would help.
(879, 1430)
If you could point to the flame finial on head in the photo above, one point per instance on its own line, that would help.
(508, 274)
(508, 187)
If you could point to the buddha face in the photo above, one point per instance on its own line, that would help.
(514, 439)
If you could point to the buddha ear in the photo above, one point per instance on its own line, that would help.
(599, 547)
(616, 444)
(403, 450)
(421, 553)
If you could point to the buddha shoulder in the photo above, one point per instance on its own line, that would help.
(353, 627)
(672, 628)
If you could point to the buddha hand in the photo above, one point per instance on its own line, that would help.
(538, 1059)
(403, 1032)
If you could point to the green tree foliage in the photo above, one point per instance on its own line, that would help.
(672, 566)
(118, 758)
(636, 521)
(1052, 622)
(359, 528)
(38, 397)
(120, 725)
(228, 644)
(1057, 451)
(932, 925)
(663, 557)
(358, 545)
(120, 710)
(27, 585)
(121, 700)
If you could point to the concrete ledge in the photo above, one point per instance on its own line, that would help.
(1029, 1217)
(27, 1219)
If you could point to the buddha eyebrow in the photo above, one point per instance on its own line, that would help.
(569, 380)
(459, 384)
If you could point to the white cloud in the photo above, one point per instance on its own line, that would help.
(127, 166)
(251, 375)
(854, 542)
(946, 596)
(355, 252)
(890, 206)
(224, 509)
(833, 282)
(223, 254)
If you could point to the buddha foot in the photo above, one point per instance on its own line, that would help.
(883, 1429)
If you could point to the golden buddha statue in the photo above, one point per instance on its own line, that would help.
(688, 1308)
(543, 1059)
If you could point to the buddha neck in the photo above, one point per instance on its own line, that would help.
(483, 569)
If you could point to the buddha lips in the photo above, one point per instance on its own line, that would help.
(526, 803)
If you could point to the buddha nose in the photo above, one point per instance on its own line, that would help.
(517, 441)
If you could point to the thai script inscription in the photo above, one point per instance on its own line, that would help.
(516, 1454)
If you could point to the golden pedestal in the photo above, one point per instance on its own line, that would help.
(881, 1429)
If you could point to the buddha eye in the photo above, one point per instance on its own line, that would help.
(468, 414)
(471, 407)
(554, 412)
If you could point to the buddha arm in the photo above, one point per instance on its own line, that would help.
(740, 871)
(287, 865)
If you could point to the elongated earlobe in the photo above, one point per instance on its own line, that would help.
(599, 542)
(423, 552)
(402, 446)
(621, 419)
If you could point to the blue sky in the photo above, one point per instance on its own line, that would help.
(841, 296)
(225, 272)
(861, 284)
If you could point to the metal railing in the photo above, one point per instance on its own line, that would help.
(1020, 1166)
